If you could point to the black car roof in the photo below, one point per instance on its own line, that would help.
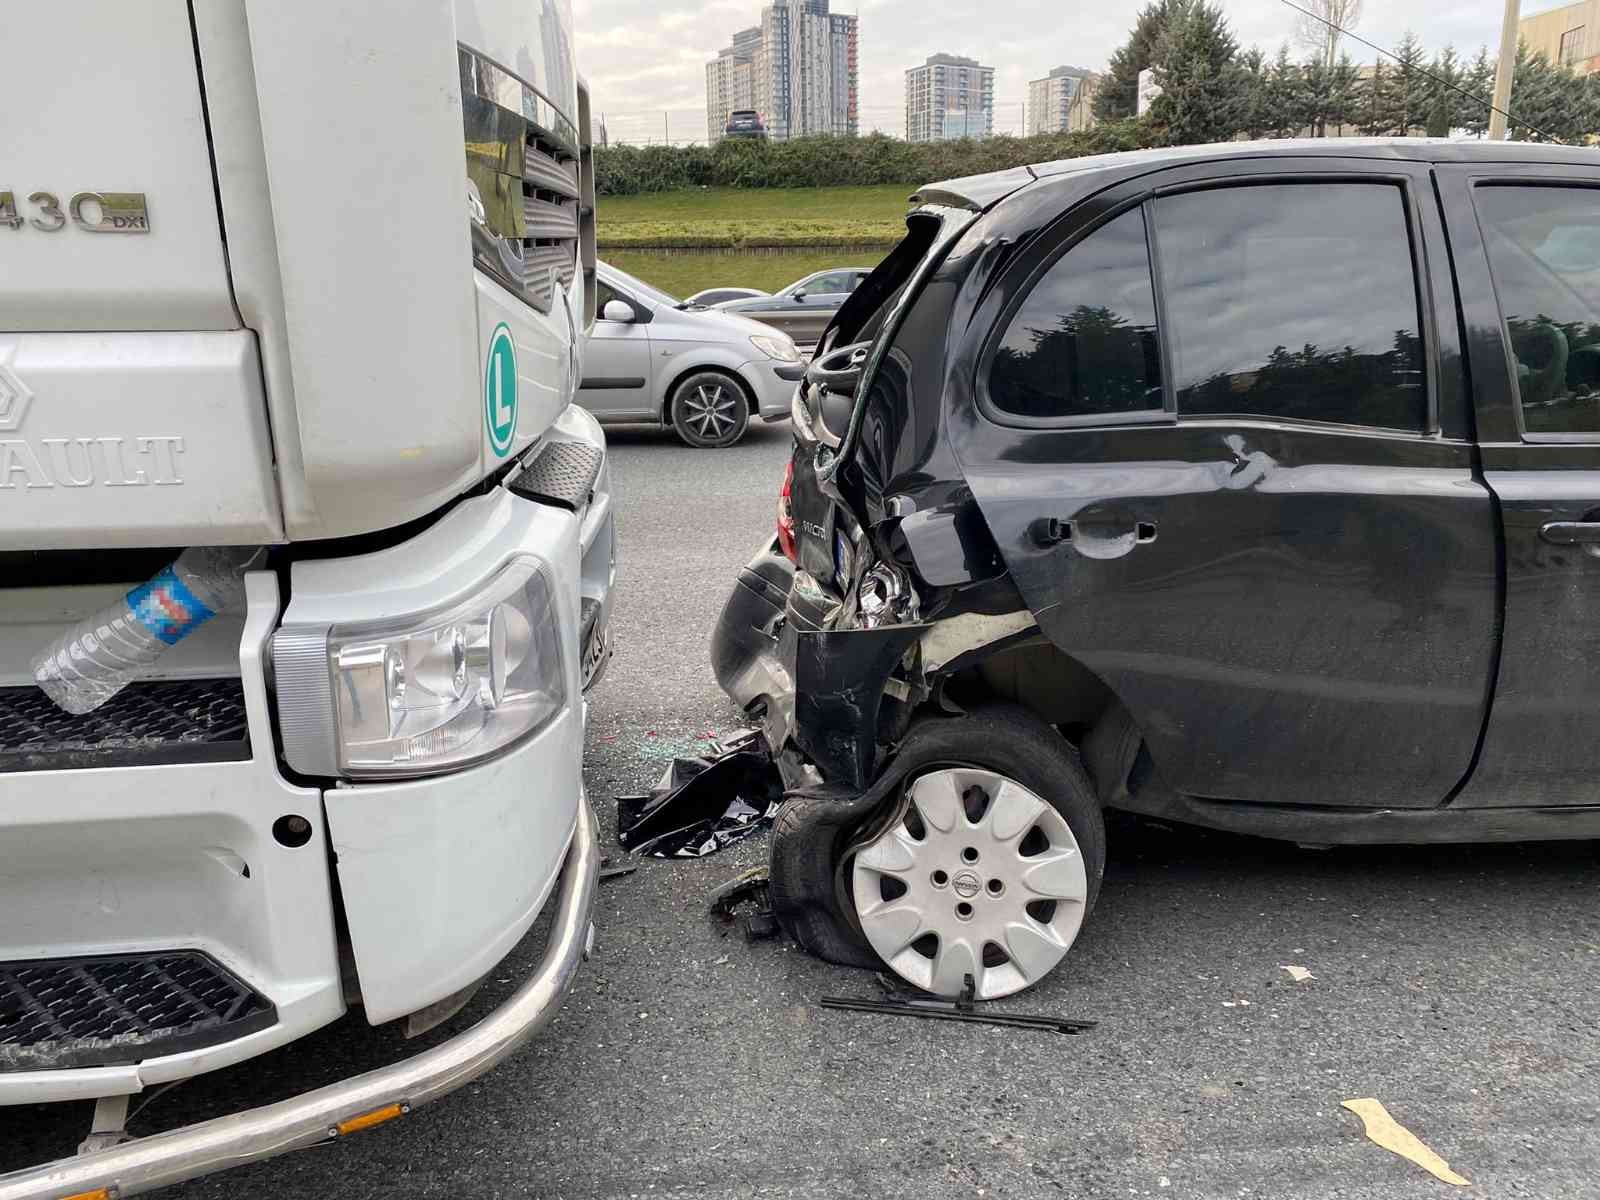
(980, 191)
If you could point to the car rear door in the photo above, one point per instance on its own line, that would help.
(1218, 429)
(617, 362)
(1526, 242)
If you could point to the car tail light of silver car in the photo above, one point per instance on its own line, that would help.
(786, 516)
(429, 692)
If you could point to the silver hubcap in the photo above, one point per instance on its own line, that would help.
(709, 411)
(982, 878)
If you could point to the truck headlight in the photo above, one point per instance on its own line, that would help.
(780, 348)
(439, 690)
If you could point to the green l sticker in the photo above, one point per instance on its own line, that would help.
(500, 390)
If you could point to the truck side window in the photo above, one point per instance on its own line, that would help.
(1293, 300)
(1084, 343)
(1544, 252)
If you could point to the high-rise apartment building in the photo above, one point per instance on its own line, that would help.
(731, 80)
(1063, 101)
(802, 72)
(949, 97)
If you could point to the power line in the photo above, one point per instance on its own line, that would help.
(1489, 104)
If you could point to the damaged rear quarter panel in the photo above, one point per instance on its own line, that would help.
(840, 678)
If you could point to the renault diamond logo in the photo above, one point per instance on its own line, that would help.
(14, 397)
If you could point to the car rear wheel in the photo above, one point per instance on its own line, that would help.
(993, 866)
(709, 410)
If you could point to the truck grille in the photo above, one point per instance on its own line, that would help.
(522, 157)
(550, 208)
(184, 720)
(123, 1008)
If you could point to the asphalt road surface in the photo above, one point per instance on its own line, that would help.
(1456, 985)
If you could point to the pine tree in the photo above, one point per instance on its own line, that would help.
(1549, 103)
(1444, 101)
(1119, 92)
(1344, 94)
(1314, 97)
(1285, 97)
(1255, 107)
(1479, 80)
(1404, 101)
(1370, 102)
(1200, 83)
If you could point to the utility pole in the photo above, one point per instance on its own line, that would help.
(1502, 74)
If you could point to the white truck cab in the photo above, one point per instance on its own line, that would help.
(314, 280)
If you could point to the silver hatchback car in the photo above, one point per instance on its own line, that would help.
(654, 358)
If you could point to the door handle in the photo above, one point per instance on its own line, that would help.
(1571, 533)
(1051, 531)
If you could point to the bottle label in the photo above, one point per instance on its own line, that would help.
(167, 608)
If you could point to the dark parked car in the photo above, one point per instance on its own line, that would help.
(745, 123)
(716, 295)
(804, 308)
(1250, 486)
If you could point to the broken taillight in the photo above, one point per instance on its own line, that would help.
(786, 516)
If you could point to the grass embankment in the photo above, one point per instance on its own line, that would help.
(730, 218)
(826, 227)
(686, 274)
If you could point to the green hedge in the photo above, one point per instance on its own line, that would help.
(842, 161)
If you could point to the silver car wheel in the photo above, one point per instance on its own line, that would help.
(710, 410)
(981, 878)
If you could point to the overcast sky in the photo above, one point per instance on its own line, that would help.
(646, 56)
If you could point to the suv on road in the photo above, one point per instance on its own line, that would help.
(1251, 486)
(745, 123)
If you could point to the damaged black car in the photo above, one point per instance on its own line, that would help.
(1249, 486)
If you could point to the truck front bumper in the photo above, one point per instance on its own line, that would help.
(432, 879)
(352, 1104)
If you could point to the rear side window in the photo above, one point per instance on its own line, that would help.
(1544, 251)
(1083, 343)
(1293, 301)
(838, 281)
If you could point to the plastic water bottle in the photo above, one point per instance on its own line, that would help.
(100, 655)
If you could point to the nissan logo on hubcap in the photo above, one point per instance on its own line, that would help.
(966, 884)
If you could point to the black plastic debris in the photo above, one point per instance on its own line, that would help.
(897, 1003)
(704, 803)
(610, 870)
(745, 901)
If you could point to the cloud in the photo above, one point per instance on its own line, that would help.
(644, 58)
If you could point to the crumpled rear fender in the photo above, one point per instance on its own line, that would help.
(841, 678)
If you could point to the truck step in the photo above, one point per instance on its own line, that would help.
(145, 724)
(121, 1008)
(562, 473)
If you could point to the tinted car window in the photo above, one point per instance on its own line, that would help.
(1083, 343)
(1293, 300)
(604, 294)
(1544, 250)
